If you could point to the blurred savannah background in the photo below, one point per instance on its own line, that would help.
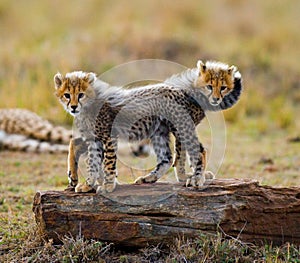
(40, 38)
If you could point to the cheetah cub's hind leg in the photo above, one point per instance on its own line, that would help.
(161, 147)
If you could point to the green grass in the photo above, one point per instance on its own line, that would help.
(39, 38)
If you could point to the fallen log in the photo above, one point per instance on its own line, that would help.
(137, 215)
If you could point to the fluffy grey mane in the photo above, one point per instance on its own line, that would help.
(186, 79)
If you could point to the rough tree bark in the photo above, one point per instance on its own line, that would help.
(137, 215)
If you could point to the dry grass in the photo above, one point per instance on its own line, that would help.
(22, 174)
(44, 37)
(39, 38)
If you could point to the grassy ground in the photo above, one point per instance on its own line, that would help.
(39, 38)
(22, 174)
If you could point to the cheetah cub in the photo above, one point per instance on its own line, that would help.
(149, 112)
(104, 113)
(213, 86)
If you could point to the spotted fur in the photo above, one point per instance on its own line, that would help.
(191, 83)
(196, 82)
(103, 114)
(213, 86)
(23, 130)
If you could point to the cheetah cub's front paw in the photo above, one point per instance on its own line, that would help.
(84, 188)
(195, 181)
(106, 188)
(209, 175)
(147, 179)
(70, 188)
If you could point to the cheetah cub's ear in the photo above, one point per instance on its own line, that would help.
(90, 78)
(58, 80)
(201, 67)
(231, 70)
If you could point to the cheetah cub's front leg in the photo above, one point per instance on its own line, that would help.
(197, 179)
(110, 172)
(76, 148)
(197, 156)
(94, 171)
(209, 175)
(72, 167)
(179, 165)
(179, 162)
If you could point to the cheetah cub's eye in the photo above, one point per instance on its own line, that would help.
(67, 95)
(209, 87)
(223, 88)
(80, 96)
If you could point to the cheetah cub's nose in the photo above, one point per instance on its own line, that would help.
(74, 108)
(215, 100)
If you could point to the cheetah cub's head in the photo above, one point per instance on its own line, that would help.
(74, 90)
(216, 80)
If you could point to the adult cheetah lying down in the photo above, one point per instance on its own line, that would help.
(104, 113)
(24, 130)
